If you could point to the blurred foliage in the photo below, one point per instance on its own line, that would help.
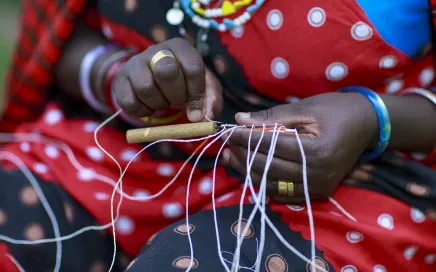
(8, 18)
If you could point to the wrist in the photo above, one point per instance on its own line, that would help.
(383, 120)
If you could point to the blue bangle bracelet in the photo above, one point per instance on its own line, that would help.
(383, 120)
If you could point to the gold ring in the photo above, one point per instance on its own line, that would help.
(160, 55)
(285, 188)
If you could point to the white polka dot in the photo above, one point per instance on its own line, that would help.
(94, 153)
(349, 268)
(292, 99)
(40, 168)
(141, 194)
(128, 155)
(90, 127)
(279, 68)
(107, 32)
(388, 62)
(386, 221)
(430, 259)
(394, 86)
(410, 252)
(25, 147)
(336, 71)
(417, 216)
(225, 197)
(426, 77)
(354, 237)
(379, 268)
(295, 208)
(418, 156)
(361, 31)
(101, 196)
(274, 19)
(165, 170)
(205, 186)
(86, 174)
(316, 17)
(53, 117)
(172, 210)
(237, 32)
(124, 225)
(51, 151)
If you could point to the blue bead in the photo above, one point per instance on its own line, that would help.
(214, 24)
(252, 9)
(229, 23)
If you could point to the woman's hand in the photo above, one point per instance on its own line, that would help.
(334, 128)
(173, 82)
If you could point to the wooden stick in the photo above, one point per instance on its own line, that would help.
(192, 130)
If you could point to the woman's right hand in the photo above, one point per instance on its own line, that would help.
(173, 82)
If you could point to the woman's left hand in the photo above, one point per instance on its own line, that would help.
(334, 128)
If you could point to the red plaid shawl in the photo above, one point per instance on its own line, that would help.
(45, 27)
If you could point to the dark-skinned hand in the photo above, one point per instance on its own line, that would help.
(174, 82)
(334, 128)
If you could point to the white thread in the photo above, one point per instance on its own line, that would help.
(241, 202)
(214, 205)
(347, 214)
(17, 264)
(4, 155)
(187, 197)
(269, 222)
(263, 194)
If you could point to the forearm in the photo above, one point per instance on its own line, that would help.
(413, 121)
(68, 69)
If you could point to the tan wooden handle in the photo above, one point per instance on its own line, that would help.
(182, 131)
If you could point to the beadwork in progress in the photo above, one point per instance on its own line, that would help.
(224, 129)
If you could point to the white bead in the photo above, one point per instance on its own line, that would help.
(175, 16)
(209, 13)
(222, 28)
(218, 12)
(195, 5)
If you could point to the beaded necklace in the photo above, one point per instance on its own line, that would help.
(175, 16)
(227, 8)
(203, 18)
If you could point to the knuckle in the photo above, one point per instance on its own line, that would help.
(195, 70)
(168, 72)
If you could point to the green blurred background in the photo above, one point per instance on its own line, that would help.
(9, 10)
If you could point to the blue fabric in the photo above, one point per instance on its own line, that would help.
(404, 24)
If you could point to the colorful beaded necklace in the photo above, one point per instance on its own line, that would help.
(227, 8)
(175, 16)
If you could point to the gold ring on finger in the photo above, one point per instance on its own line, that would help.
(286, 188)
(160, 55)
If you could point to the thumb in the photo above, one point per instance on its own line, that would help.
(214, 99)
(269, 116)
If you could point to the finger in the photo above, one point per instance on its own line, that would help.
(214, 98)
(145, 86)
(126, 97)
(193, 69)
(279, 168)
(287, 147)
(272, 185)
(170, 80)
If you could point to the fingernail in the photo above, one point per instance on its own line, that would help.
(360, 175)
(226, 155)
(244, 115)
(195, 115)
